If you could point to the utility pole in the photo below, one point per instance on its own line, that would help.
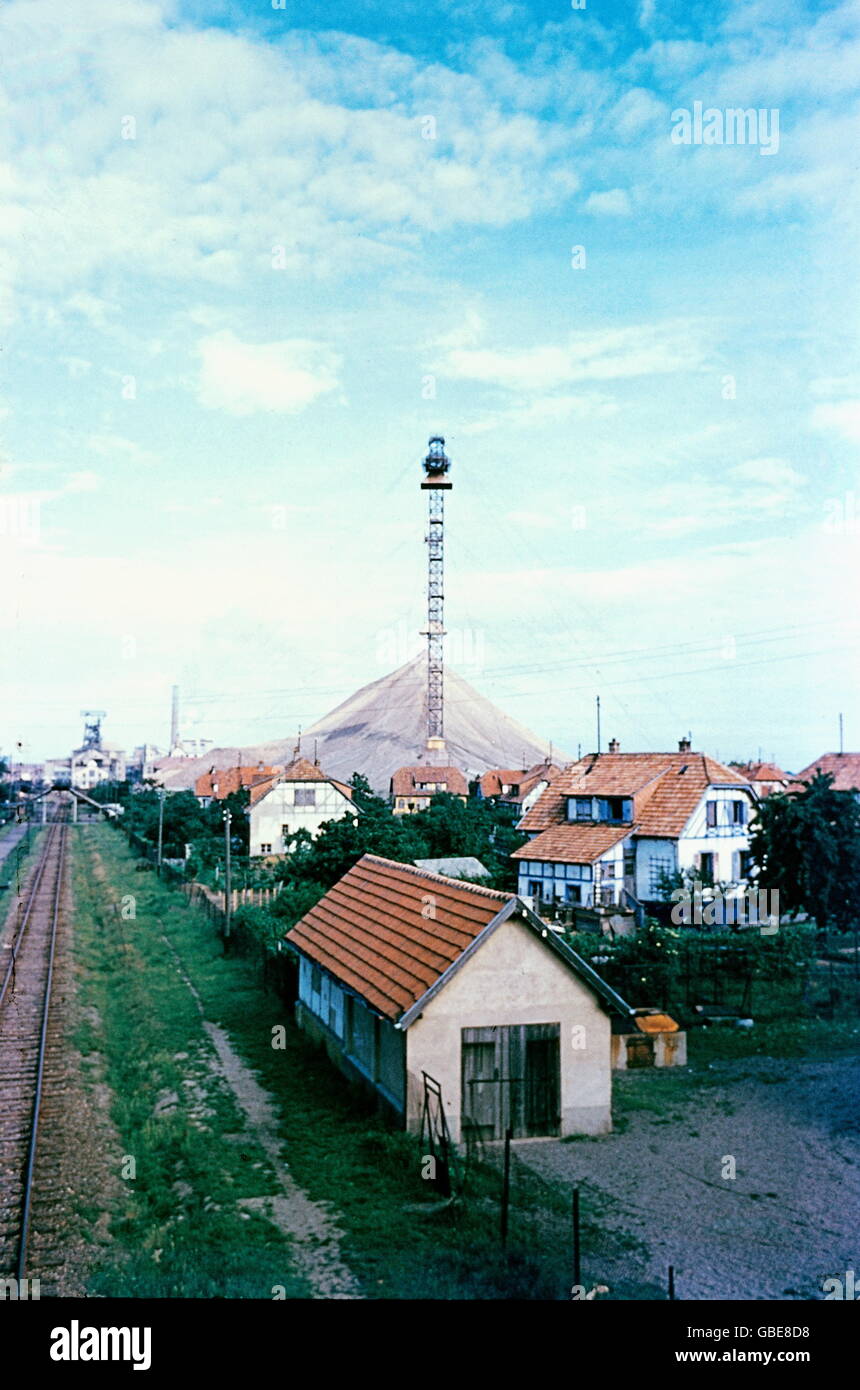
(227, 883)
(160, 826)
(841, 738)
(598, 723)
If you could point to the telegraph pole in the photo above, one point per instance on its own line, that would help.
(227, 883)
(160, 825)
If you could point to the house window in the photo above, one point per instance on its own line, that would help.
(658, 867)
(711, 813)
(306, 796)
(401, 802)
(739, 813)
(629, 863)
(534, 888)
(265, 849)
(614, 808)
(572, 893)
(744, 863)
(285, 830)
(706, 868)
(580, 808)
(607, 870)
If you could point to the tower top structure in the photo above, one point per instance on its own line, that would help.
(436, 483)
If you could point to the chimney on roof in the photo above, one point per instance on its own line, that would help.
(684, 745)
(614, 746)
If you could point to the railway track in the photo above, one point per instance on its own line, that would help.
(31, 1056)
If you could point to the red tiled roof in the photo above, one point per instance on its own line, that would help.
(405, 780)
(764, 772)
(299, 770)
(372, 932)
(524, 779)
(573, 844)
(665, 787)
(844, 768)
(229, 779)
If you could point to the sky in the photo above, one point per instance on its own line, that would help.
(253, 255)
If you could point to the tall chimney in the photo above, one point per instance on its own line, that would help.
(614, 746)
(684, 745)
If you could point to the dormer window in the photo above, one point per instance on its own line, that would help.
(616, 810)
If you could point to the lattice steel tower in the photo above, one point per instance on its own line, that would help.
(436, 483)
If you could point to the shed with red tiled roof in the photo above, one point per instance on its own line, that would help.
(405, 972)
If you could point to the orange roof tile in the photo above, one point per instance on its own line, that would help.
(372, 931)
(843, 767)
(573, 844)
(300, 770)
(404, 781)
(665, 787)
(221, 782)
(524, 779)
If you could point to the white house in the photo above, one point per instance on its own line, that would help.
(300, 797)
(406, 973)
(614, 827)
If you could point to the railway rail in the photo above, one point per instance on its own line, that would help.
(31, 1048)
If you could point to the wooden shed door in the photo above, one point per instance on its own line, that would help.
(511, 1079)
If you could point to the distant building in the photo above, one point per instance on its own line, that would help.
(474, 992)
(299, 796)
(517, 787)
(457, 866)
(613, 828)
(766, 778)
(141, 766)
(844, 768)
(413, 788)
(90, 766)
(218, 783)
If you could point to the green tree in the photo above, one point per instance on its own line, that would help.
(807, 846)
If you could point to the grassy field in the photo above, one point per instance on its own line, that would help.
(181, 1229)
(400, 1240)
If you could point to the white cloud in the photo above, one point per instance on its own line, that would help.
(603, 355)
(838, 417)
(284, 376)
(613, 203)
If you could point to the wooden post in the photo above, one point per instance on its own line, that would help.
(506, 1186)
(228, 905)
(160, 826)
(577, 1271)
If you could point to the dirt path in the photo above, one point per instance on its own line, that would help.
(785, 1223)
(310, 1225)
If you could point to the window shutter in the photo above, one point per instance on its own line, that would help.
(736, 865)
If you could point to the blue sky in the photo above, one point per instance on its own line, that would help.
(240, 286)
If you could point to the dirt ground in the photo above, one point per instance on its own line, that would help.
(788, 1220)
